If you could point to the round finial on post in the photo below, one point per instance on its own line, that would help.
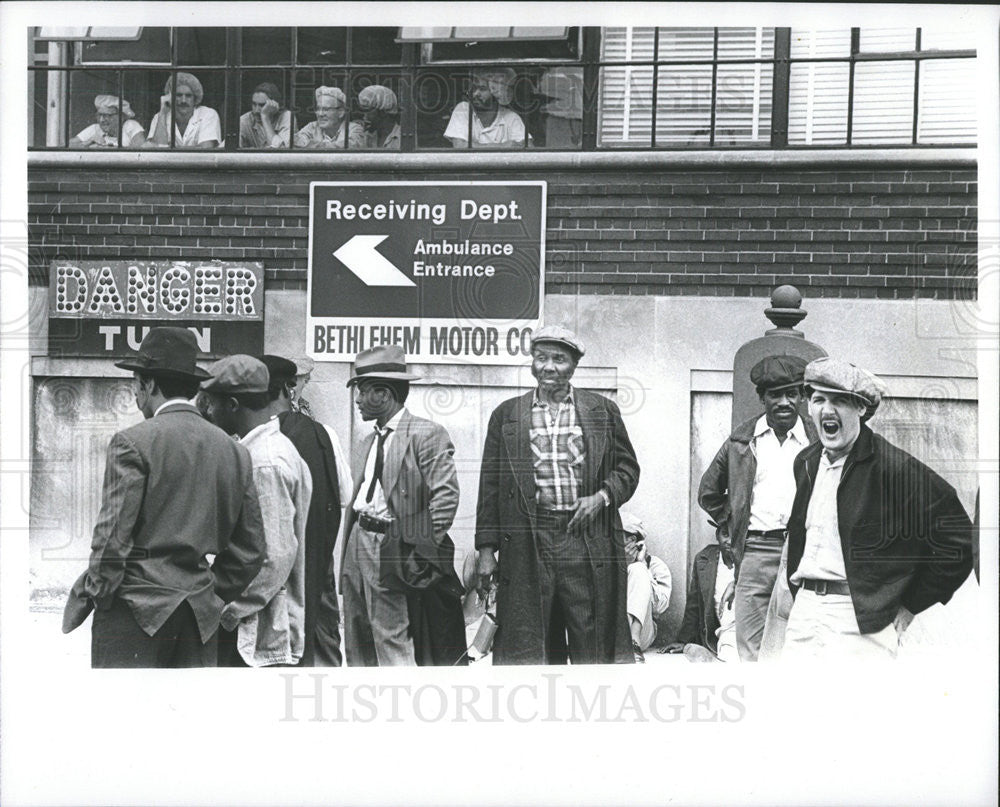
(786, 311)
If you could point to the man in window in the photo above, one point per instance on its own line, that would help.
(381, 117)
(331, 129)
(875, 536)
(494, 124)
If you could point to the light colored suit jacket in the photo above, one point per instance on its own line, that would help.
(421, 487)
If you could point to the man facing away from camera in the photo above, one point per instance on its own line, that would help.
(557, 465)
(319, 446)
(265, 625)
(176, 490)
(748, 491)
(874, 537)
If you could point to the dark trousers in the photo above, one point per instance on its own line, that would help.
(229, 656)
(567, 586)
(118, 641)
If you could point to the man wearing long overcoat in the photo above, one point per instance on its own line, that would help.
(557, 465)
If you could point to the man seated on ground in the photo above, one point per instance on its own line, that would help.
(708, 629)
(649, 586)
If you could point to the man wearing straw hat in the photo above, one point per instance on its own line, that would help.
(874, 536)
(176, 490)
(402, 598)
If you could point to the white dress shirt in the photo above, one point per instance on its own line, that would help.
(774, 482)
(823, 558)
(377, 506)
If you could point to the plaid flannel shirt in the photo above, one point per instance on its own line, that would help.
(558, 453)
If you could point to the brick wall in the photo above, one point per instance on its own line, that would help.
(834, 232)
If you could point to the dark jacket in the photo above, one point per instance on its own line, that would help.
(322, 636)
(906, 538)
(726, 488)
(176, 490)
(506, 520)
(700, 620)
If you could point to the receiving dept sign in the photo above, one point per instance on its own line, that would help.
(451, 271)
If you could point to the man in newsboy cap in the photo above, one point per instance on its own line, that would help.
(748, 491)
(557, 465)
(265, 625)
(875, 536)
(176, 490)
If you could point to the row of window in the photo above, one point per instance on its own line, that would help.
(577, 89)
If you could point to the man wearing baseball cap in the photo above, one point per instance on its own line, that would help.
(319, 446)
(748, 491)
(176, 490)
(557, 465)
(265, 625)
(875, 536)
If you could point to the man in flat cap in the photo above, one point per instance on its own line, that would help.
(402, 597)
(557, 465)
(748, 491)
(319, 446)
(649, 586)
(265, 625)
(176, 490)
(874, 537)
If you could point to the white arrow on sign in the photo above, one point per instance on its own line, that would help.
(360, 256)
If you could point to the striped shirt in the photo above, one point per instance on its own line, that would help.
(557, 452)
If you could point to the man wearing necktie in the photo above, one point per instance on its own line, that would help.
(401, 594)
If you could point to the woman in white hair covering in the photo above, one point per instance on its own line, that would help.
(330, 130)
(104, 133)
(195, 126)
(495, 124)
(381, 121)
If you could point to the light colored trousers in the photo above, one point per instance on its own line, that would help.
(757, 575)
(376, 619)
(825, 627)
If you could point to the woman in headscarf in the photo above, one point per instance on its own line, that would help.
(330, 130)
(267, 124)
(495, 124)
(195, 126)
(381, 121)
(104, 133)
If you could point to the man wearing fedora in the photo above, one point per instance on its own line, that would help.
(176, 490)
(557, 465)
(265, 625)
(402, 597)
(748, 490)
(874, 536)
(319, 446)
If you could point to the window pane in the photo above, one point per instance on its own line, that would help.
(378, 119)
(685, 43)
(267, 45)
(625, 111)
(201, 46)
(83, 88)
(947, 108)
(153, 46)
(560, 92)
(743, 104)
(817, 103)
(933, 39)
(627, 44)
(887, 40)
(684, 106)
(746, 43)
(322, 45)
(817, 43)
(375, 46)
(435, 94)
(326, 132)
(883, 102)
(508, 49)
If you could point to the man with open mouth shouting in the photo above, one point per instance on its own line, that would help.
(875, 536)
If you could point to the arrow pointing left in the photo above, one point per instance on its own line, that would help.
(359, 254)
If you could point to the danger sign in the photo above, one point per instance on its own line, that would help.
(451, 271)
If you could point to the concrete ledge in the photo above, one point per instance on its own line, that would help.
(449, 160)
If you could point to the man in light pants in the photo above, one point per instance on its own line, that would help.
(875, 536)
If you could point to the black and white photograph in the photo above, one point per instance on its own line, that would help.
(626, 374)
